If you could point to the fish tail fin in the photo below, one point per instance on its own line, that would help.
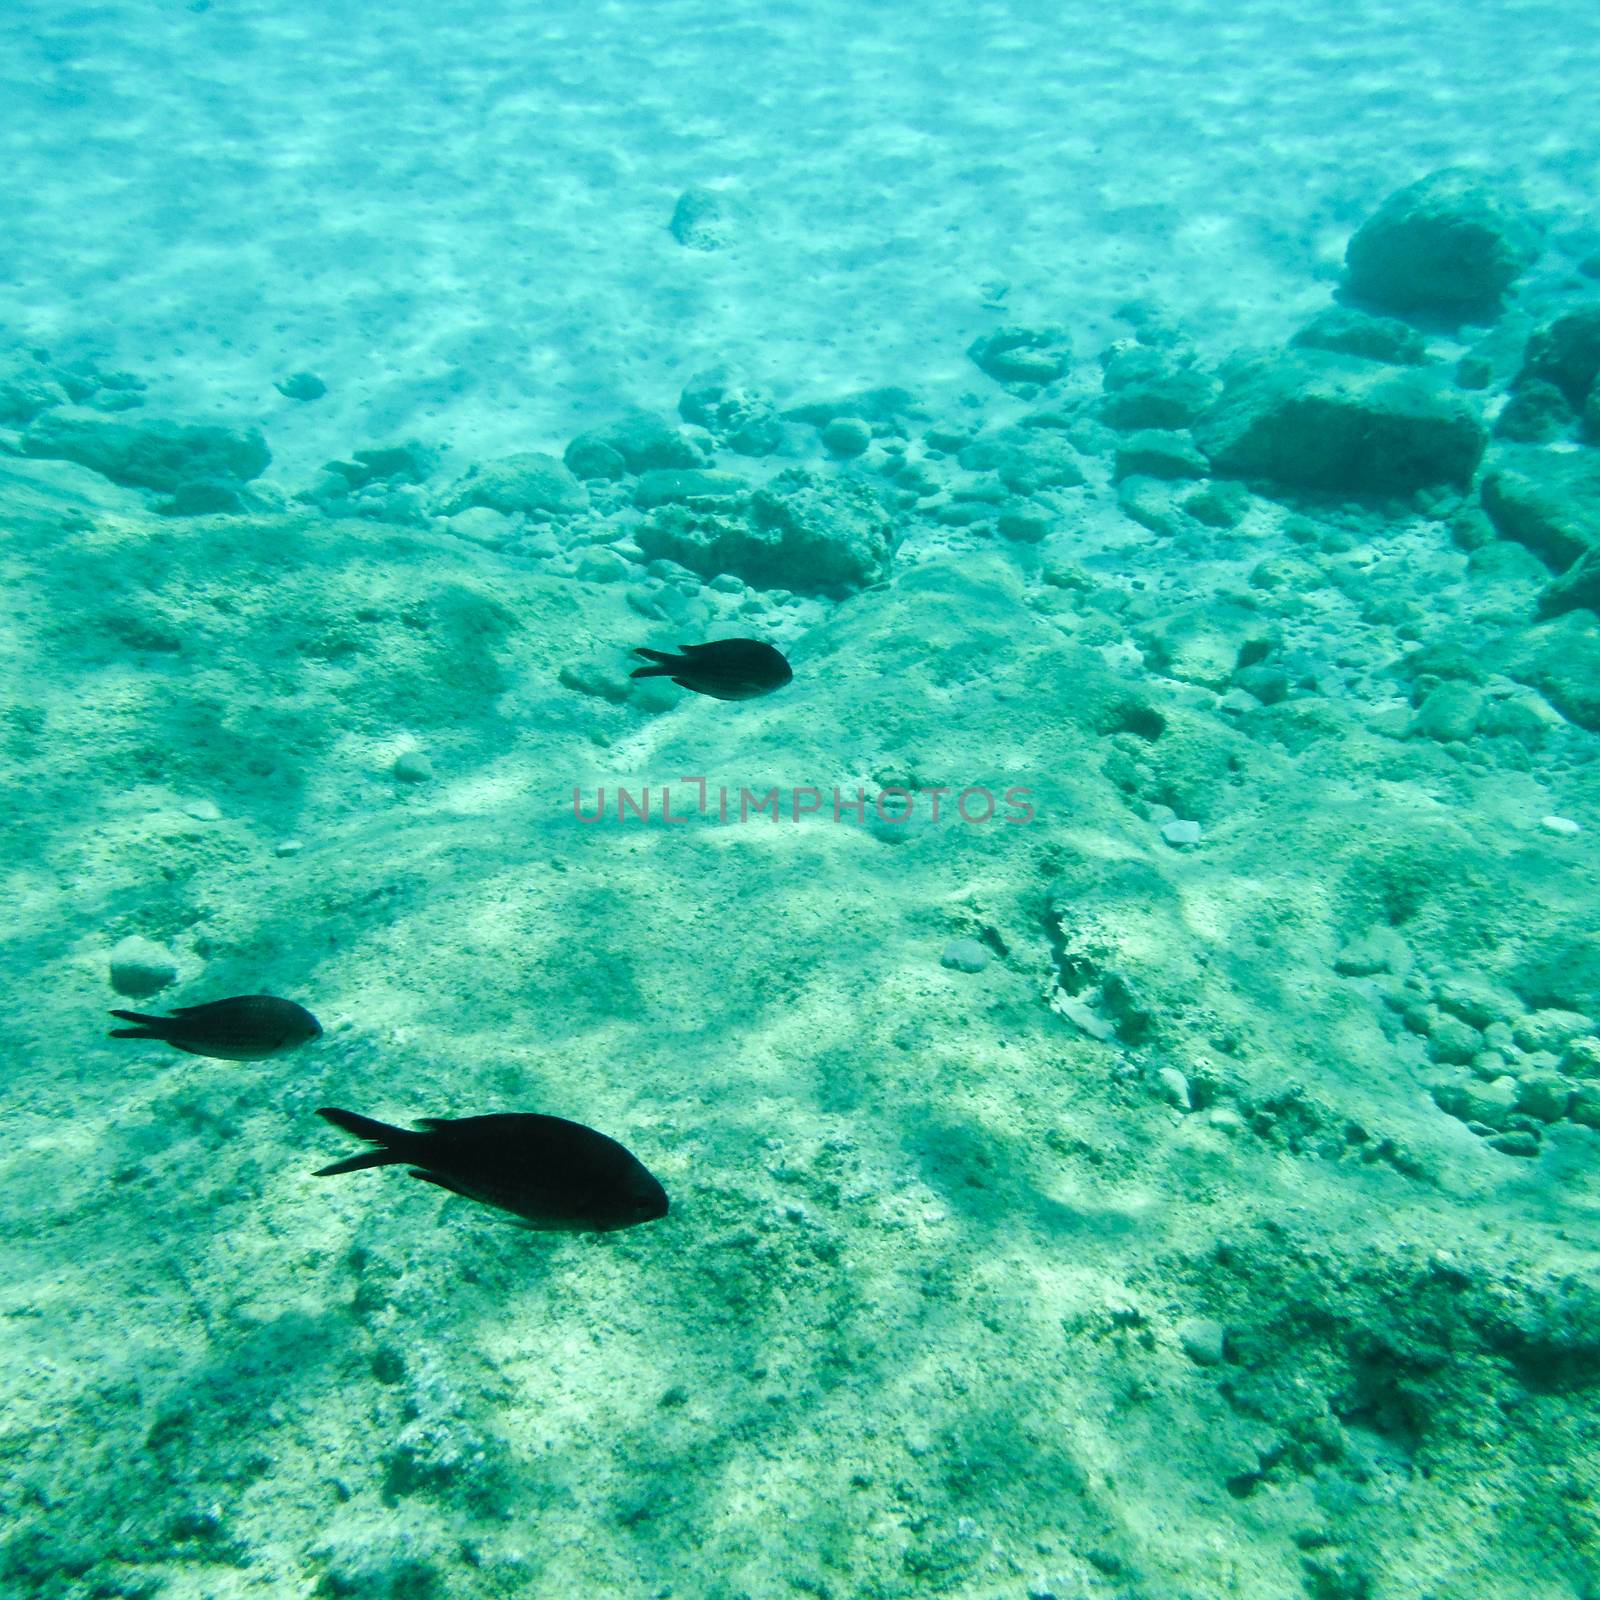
(374, 1132)
(661, 664)
(147, 1027)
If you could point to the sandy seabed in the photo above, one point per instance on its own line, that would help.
(1146, 1261)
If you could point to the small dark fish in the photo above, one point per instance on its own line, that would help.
(244, 1028)
(725, 669)
(558, 1176)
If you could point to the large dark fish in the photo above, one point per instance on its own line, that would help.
(244, 1028)
(556, 1175)
(725, 669)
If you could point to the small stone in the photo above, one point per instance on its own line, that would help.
(301, 386)
(483, 525)
(1227, 1119)
(1204, 1341)
(847, 436)
(140, 967)
(706, 219)
(412, 767)
(1561, 825)
(1024, 527)
(1519, 1142)
(599, 565)
(203, 810)
(1449, 714)
(288, 847)
(1180, 833)
(1174, 1088)
(1380, 949)
(964, 955)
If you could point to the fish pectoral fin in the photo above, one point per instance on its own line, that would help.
(134, 1033)
(443, 1183)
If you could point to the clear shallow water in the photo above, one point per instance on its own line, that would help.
(1186, 1190)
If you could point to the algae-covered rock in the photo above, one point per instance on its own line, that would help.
(640, 442)
(1158, 453)
(1566, 353)
(806, 531)
(1448, 243)
(706, 219)
(685, 485)
(739, 419)
(1023, 355)
(149, 454)
(1146, 388)
(1578, 586)
(1354, 333)
(1207, 643)
(1536, 414)
(1561, 659)
(1024, 459)
(527, 482)
(1312, 419)
(1549, 502)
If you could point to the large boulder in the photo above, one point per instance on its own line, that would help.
(148, 454)
(806, 531)
(1448, 243)
(1313, 419)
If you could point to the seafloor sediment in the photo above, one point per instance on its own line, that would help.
(1187, 1190)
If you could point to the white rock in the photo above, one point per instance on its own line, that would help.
(203, 810)
(1180, 833)
(412, 767)
(288, 847)
(1204, 1341)
(1080, 1016)
(965, 955)
(140, 967)
(1563, 825)
(1174, 1088)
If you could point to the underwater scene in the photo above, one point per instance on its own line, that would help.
(800, 801)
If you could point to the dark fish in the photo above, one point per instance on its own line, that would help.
(558, 1176)
(245, 1028)
(725, 669)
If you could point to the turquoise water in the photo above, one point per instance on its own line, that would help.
(1118, 1032)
